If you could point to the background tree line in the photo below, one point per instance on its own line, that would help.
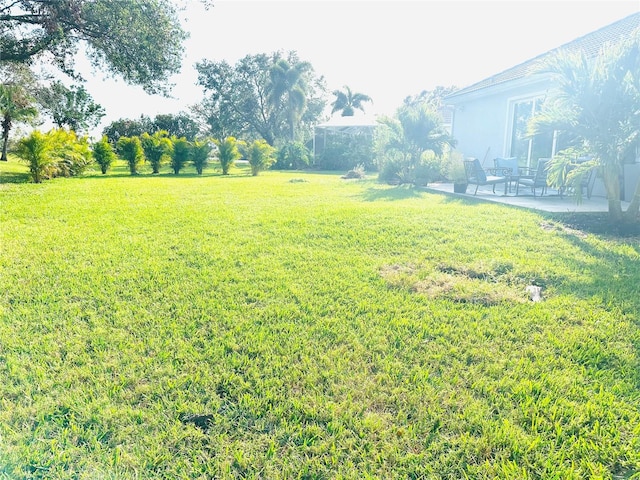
(277, 98)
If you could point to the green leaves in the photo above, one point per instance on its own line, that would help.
(347, 102)
(139, 41)
(103, 154)
(71, 107)
(597, 106)
(56, 153)
(158, 149)
(130, 149)
(228, 153)
(261, 156)
(275, 97)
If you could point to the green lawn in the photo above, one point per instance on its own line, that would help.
(297, 325)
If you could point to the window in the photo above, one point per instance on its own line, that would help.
(529, 149)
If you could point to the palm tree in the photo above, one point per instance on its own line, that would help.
(597, 105)
(288, 90)
(347, 101)
(417, 129)
(15, 106)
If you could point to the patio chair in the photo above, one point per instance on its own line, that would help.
(507, 167)
(478, 176)
(537, 180)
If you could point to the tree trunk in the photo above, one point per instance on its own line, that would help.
(6, 126)
(611, 180)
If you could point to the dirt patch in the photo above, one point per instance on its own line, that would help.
(458, 284)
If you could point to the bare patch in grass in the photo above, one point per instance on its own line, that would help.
(460, 284)
(550, 227)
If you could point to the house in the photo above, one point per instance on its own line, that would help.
(490, 116)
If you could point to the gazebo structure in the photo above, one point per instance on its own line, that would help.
(345, 127)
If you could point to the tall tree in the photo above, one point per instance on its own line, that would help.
(288, 90)
(433, 98)
(70, 107)
(15, 106)
(140, 41)
(242, 101)
(126, 127)
(597, 104)
(177, 125)
(347, 102)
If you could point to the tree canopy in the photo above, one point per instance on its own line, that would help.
(347, 102)
(270, 96)
(70, 107)
(140, 41)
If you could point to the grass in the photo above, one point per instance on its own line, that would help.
(297, 325)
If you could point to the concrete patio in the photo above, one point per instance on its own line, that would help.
(549, 202)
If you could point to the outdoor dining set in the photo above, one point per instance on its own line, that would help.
(507, 172)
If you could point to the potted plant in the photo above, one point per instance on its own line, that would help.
(456, 174)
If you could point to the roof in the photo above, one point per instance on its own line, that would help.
(352, 124)
(589, 44)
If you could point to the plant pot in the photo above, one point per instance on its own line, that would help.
(459, 188)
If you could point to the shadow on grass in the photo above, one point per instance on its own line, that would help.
(15, 177)
(387, 193)
(598, 223)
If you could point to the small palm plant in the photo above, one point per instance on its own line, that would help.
(130, 149)
(228, 153)
(200, 151)
(103, 154)
(37, 152)
(157, 148)
(261, 156)
(181, 153)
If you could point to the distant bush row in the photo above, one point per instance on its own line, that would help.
(61, 153)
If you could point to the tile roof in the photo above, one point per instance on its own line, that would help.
(590, 44)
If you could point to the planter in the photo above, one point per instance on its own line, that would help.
(459, 188)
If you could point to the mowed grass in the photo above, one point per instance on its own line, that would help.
(297, 325)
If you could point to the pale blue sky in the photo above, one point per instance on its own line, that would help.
(386, 49)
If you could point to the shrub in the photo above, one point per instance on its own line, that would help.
(346, 152)
(103, 154)
(292, 156)
(200, 151)
(453, 168)
(157, 149)
(228, 153)
(53, 154)
(130, 149)
(357, 172)
(73, 153)
(260, 155)
(37, 152)
(181, 154)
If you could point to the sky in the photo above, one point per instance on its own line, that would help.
(385, 49)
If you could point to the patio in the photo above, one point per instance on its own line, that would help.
(549, 202)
